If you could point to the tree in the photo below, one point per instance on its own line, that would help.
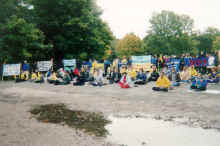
(129, 45)
(207, 38)
(169, 34)
(21, 41)
(216, 44)
(73, 27)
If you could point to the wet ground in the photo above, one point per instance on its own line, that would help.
(18, 128)
(132, 131)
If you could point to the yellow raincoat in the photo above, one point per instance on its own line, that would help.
(163, 82)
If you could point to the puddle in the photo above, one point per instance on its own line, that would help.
(151, 132)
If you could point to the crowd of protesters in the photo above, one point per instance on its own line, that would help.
(123, 73)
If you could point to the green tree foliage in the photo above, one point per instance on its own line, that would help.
(21, 41)
(169, 34)
(73, 27)
(206, 40)
(216, 44)
(129, 45)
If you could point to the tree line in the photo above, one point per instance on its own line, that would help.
(170, 34)
(36, 30)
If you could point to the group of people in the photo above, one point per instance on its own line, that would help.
(126, 76)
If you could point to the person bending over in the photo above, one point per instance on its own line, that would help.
(162, 83)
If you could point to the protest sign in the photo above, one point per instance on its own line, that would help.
(69, 64)
(11, 69)
(173, 62)
(44, 65)
(141, 62)
(197, 62)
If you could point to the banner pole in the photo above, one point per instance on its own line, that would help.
(2, 72)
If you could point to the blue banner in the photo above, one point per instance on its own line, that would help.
(197, 62)
(173, 62)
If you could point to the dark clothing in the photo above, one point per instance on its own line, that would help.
(154, 76)
(160, 89)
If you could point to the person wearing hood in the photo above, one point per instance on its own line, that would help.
(162, 83)
(125, 81)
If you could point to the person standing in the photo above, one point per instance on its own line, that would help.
(25, 68)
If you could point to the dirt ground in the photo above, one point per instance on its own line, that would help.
(19, 128)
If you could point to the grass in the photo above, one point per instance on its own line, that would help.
(92, 123)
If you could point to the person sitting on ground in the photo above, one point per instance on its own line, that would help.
(63, 81)
(132, 73)
(213, 77)
(40, 78)
(166, 71)
(193, 71)
(154, 75)
(33, 77)
(162, 83)
(185, 75)
(199, 83)
(21, 78)
(141, 78)
(52, 79)
(174, 77)
(125, 81)
(98, 78)
(81, 79)
(67, 78)
(111, 75)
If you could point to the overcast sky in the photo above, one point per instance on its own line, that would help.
(125, 16)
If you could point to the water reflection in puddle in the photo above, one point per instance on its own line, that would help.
(150, 132)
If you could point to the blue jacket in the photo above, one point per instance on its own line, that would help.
(141, 76)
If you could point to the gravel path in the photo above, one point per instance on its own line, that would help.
(18, 128)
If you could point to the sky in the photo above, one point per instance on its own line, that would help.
(126, 16)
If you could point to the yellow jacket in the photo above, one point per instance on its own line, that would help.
(38, 76)
(94, 65)
(34, 76)
(23, 76)
(163, 82)
(193, 72)
(54, 77)
(132, 74)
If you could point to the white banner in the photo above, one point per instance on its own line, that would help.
(44, 65)
(11, 69)
(141, 62)
(71, 62)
